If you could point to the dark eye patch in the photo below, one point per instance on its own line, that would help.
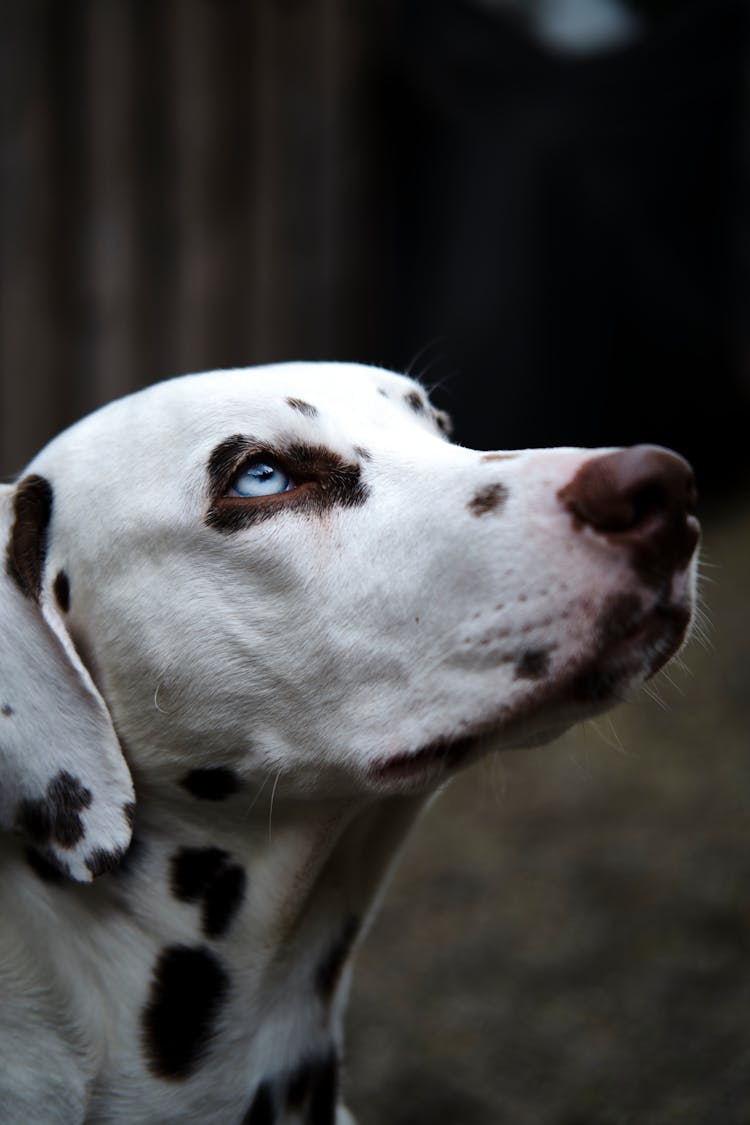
(323, 480)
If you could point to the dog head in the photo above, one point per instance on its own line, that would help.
(291, 572)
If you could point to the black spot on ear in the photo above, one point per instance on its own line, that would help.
(330, 968)
(208, 875)
(532, 664)
(416, 402)
(214, 784)
(261, 1111)
(99, 861)
(27, 546)
(56, 816)
(47, 871)
(61, 590)
(488, 499)
(303, 407)
(188, 989)
(6, 710)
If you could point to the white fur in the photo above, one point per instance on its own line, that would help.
(304, 652)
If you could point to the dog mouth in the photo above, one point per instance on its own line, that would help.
(631, 645)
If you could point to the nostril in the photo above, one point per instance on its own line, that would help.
(622, 491)
(643, 496)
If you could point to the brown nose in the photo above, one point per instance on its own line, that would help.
(643, 497)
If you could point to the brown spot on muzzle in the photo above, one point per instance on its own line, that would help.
(488, 499)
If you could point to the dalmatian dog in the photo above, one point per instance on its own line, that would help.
(251, 620)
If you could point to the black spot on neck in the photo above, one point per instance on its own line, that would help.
(27, 546)
(61, 590)
(188, 990)
(208, 876)
(213, 784)
(331, 967)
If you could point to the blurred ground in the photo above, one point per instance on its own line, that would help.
(566, 939)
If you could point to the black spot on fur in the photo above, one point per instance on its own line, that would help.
(100, 860)
(6, 710)
(262, 1111)
(207, 875)
(188, 989)
(533, 664)
(416, 402)
(305, 408)
(488, 499)
(330, 968)
(362, 453)
(47, 871)
(56, 816)
(211, 784)
(61, 590)
(27, 546)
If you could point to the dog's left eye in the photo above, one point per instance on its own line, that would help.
(259, 478)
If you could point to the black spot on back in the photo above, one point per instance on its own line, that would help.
(214, 784)
(261, 1111)
(27, 546)
(532, 664)
(61, 590)
(56, 817)
(209, 876)
(330, 968)
(488, 499)
(188, 989)
(6, 710)
(303, 407)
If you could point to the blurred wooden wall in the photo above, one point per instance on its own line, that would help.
(185, 184)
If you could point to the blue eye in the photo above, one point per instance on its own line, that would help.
(260, 479)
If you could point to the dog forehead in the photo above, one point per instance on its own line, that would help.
(175, 422)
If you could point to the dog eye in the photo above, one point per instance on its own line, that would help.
(260, 479)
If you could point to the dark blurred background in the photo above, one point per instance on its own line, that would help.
(541, 208)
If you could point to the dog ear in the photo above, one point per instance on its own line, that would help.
(64, 783)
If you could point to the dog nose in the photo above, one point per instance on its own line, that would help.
(643, 497)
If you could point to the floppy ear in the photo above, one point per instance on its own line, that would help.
(64, 783)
